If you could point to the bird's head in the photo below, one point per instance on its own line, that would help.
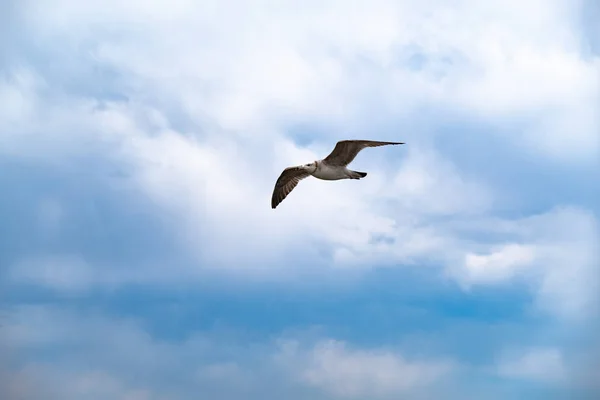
(311, 167)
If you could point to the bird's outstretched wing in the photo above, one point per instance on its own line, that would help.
(286, 182)
(346, 150)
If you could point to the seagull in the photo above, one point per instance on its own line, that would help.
(331, 168)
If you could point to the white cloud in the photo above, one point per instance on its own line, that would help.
(14, 385)
(362, 224)
(243, 74)
(499, 265)
(225, 371)
(50, 216)
(101, 385)
(242, 88)
(38, 378)
(72, 274)
(588, 363)
(285, 63)
(100, 357)
(17, 95)
(331, 366)
(227, 207)
(556, 252)
(181, 174)
(539, 364)
(104, 356)
(66, 273)
(428, 183)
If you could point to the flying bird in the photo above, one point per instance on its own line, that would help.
(331, 168)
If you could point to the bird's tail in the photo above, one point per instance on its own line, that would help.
(358, 175)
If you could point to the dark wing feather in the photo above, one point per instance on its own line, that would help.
(346, 150)
(286, 182)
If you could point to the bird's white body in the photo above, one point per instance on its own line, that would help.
(329, 173)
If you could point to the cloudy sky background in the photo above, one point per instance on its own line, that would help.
(139, 145)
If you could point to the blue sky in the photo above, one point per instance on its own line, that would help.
(139, 145)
